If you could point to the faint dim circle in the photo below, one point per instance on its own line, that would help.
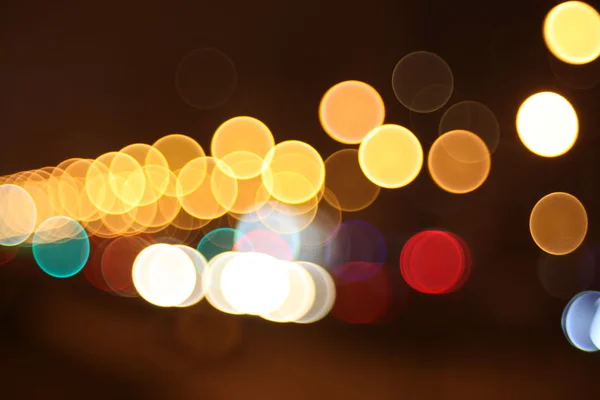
(474, 117)
(547, 124)
(364, 301)
(350, 189)
(360, 242)
(572, 32)
(7, 254)
(565, 276)
(206, 78)
(391, 156)
(422, 82)
(350, 110)
(459, 162)
(61, 247)
(558, 223)
(577, 319)
(579, 77)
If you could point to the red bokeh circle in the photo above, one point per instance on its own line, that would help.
(435, 262)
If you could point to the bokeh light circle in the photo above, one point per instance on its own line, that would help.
(565, 276)
(572, 32)
(200, 264)
(577, 319)
(474, 117)
(178, 150)
(349, 188)
(61, 247)
(355, 241)
(164, 275)
(117, 262)
(255, 283)
(242, 143)
(391, 156)
(324, 293)
(295, 172)
(300, 298)
(206, 78)
(18, 215)
(364, 301)
(217, 241)
(459, 161)
(547, 124)
(422, 81)
(211, 281)
(433, 262)
(350, 110)
(558, 223)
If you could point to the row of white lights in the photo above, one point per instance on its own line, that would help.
(250, 283)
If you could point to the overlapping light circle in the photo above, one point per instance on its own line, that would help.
(273, 242)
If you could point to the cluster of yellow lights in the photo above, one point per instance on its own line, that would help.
(145, 188)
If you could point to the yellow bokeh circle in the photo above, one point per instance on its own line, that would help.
(294, 172)
(391, 156)
(572, 32)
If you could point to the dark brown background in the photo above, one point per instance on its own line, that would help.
(83, 78)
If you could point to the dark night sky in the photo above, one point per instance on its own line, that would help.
(79, 80)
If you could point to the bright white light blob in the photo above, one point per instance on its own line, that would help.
(595, 326)
(324, 293)
(577, 320)
(200, 264)
(547, 124)
(164, 275)
(255, 283)
(211, 282)
(300, 298)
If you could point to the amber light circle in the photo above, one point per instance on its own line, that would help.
(295, 172)
(216, 193)
(459, 162)
(177, 150)
(350, 110)
(558, 223)
(246, 140)
(391, 156)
